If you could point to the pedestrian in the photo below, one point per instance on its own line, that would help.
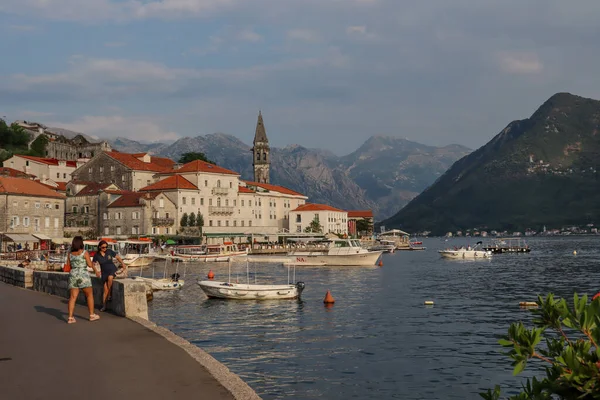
(77, 261)
(105, 257)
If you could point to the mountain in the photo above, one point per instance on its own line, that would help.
(382, 175)
(537, 171)
(71, 134)
(131, 146)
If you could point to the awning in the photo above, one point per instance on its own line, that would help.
(21, 237)
(225, 235)
(62, 240)
(41, 236)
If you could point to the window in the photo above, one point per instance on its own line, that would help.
(26, 204)
(36, 224)
(154, 230)
(25, 221)
(234, 222)
(230, 185)
(104, 216)
(264, 156)
(249, 223)
(134, 230)
(298, 229)
(101, 170)
(218, 183)
(183, 200)
(219, 223)
(112, 168)
(118, 230)
(37, 205)
(226, 223)
(56, 223)
(14, 222)
(57, 206)
(226, 202)
(234, 202)
(122, 178)
(65, 176)
(47, 222)
(242, 203)
(58, 175)
(168, 230)
(210, 222)
(106, 231)
(90, 170)
(193, 201)
(259, 202)
(210, 202)
(205, 183)
(242, 222)
(218, 202)
(166, 215)
(202, 201)
(86, 209)
(161, 203)
(257, 156)
(298, 218)
(134, 215)
(86, 222)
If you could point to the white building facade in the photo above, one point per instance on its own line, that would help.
(330, 219)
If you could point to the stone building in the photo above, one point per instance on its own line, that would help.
(140, 213)
(73, 149)
(130, 172)
(261, 157)
(331, 220)
(30, 208)
(86, 203)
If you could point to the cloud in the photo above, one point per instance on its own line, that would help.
(304, 35)
(519, 63)
(110, 126)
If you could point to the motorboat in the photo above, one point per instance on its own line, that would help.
(338, 252)
(136, 252)
(386, 246)
(170, 282)
(208, 253)
(507, 245)
(466, 252)
(251, 291)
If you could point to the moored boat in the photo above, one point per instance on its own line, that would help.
(208, 253)
(136, 252)
(466, 253)
(386, 246)
(338, 252)
(243, 291)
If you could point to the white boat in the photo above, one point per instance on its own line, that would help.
(208, 253)
(136, 252)
(334, 252)
(165, 283)
(251, 291)
(466, 253)
(386, 246)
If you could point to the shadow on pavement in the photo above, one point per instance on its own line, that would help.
(58, 314)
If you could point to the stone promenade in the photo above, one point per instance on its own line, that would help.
(42, 357)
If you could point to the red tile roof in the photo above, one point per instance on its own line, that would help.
(317, 207)
(360, 214)
(48, 161)
(274, 188)
(21, 186)
(156, 164)
(61, 186)
(244, 189)
(15, 173)
(132, 199)
(92, 189)
(203, 166)
(172, 182)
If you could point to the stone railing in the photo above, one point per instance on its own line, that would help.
(129, 297)
(163, 221)
(220, 191)
(16, 276)
(220, 210)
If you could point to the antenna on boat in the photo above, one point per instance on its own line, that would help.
(229, 269)
(247, 272)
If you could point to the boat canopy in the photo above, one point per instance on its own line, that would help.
(306, 240)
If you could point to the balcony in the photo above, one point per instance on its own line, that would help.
(220, 191)
(163, 221)
(213, 210)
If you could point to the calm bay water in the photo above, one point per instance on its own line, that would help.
(379, 341)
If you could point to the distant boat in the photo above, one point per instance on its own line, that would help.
(165, 283)
(334, 252)
(466, 252)
(508, 245)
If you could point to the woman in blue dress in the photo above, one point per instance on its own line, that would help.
(79, 278)
(106, 258)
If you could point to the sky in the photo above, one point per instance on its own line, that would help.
(325, 73)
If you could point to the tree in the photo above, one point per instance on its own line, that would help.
(200, 221)
(193, 156)
(184, 220)
(192, 220)
(314, 226)
(362, 225)
(38, 146)
(570, 355)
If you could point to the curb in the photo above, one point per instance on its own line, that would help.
(230, 381)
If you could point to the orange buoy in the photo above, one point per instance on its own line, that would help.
(328, 298)
(380, 262)
(596, 296)
(211, 274)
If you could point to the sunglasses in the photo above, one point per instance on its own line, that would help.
(103, 247)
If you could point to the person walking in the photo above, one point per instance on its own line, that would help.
(105, 257)
(77, 261)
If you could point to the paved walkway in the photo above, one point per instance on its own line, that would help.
(43, 357)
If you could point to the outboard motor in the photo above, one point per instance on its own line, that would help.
(300, 286)
(175, 277)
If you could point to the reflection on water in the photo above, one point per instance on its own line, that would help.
(378, 341)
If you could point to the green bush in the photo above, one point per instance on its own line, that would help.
(570, 356)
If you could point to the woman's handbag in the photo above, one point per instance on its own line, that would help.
(67, 266)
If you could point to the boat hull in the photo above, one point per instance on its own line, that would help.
(137, 260)
(319, 259)
(465, 254)
(207, 257)
(238, 291)
(161, 284)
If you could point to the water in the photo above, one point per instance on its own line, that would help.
(379, 341)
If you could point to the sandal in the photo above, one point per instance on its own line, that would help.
(103, 309)
(94, 317)
(71, 320)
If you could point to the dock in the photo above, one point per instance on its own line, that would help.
(43, 357)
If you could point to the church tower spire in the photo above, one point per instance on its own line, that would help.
(261, 159)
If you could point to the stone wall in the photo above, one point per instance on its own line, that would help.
(16, 276)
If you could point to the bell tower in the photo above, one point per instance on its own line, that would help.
(261, 159)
